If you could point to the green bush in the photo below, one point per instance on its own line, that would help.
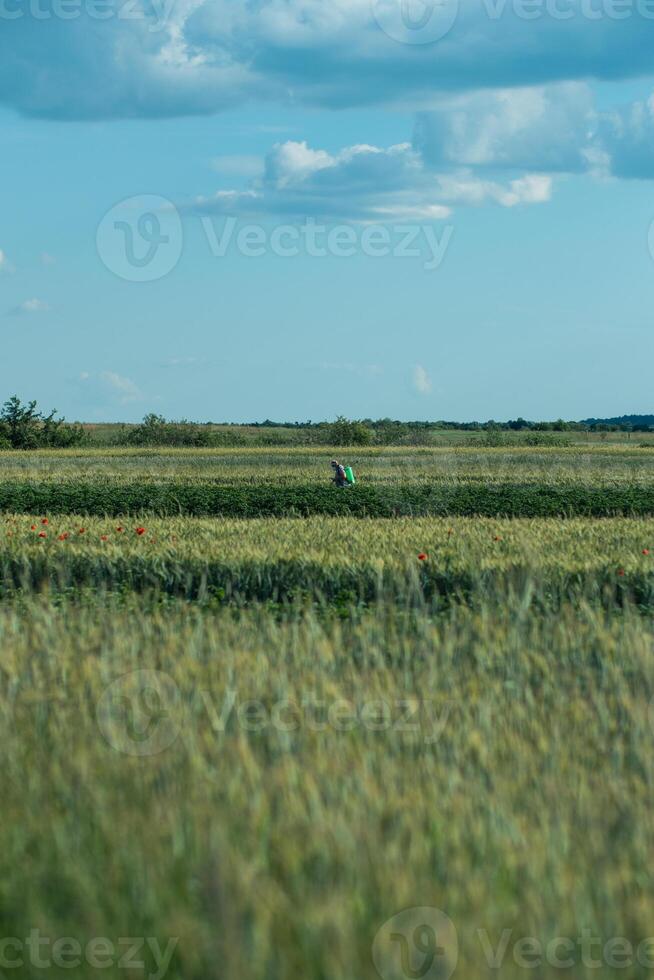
(343, 432)
(24, 427)
(156, 431)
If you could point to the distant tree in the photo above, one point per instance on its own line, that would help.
(344, 432)
(24, 427)
(155, 430)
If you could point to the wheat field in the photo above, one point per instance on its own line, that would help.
(326, 747)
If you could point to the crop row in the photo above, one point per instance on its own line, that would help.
(199, 499)
(590, 467)
(335, 560)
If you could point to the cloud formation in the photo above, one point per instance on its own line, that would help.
(555, 129)
(544, 128)
(164, 58)
(421, 380)
(505, 147)
(126, 389)
(366, 183)
(503, 102)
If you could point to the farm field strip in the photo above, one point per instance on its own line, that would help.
(376, 466)
(325, 558)
(202, 498)
(575, 543)
(517, 795)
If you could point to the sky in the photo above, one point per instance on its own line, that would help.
(295, 209)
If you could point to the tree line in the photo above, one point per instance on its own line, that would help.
(24, 426)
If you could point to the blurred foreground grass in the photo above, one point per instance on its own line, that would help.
(268, 792)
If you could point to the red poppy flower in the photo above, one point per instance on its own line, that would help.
(140, 530)
(45, 521)
(82, 530)
(42, 534)
(621, 572)
(422, 556)
(63, 537)
(33, 528)
(103, 537)
(646, 551)
(119, 530)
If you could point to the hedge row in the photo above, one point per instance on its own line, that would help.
(204, 499)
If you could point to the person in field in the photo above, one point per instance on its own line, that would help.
(340, 479)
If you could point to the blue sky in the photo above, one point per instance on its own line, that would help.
(300, 208)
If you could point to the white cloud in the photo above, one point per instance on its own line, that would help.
(363, 183)
(542, 128)
(125, 388)
(550, 129)
(5, 264)
(465, 187)
(421, 380)
(47, 259)
(291, 163)
(530, 189)
(30, 306)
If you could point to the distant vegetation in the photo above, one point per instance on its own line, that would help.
(624, 423)
(23, 426)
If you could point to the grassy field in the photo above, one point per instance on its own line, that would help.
(106, 435)
(413, 561)
(597, 482)
(251, 745)
(608, 464)
(307, 779)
